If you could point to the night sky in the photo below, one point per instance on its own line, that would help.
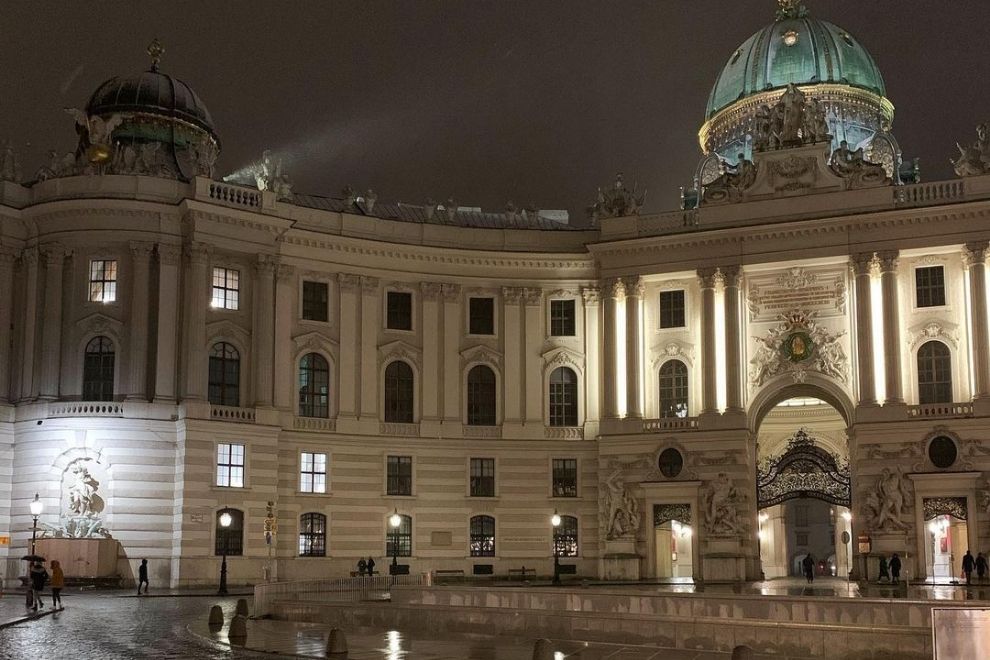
(532, 101)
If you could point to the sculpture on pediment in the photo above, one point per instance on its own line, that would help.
(616, 201)
(731, 184)
(974, 159)
(720, 500)
(886, 503)
(619, 509)
(852, 166)
(10, 167)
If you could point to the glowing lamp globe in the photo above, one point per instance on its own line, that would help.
(37, 506)
(225, 519)
(555, 519)
(395, 519)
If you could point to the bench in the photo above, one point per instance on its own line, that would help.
(449, 573)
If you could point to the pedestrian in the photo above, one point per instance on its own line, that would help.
(362, 564)
(981, 567)
(39, 576)
(968, 563)
(58, 583)
(809, 568)
(884, 575)
(895, 569)
(371, 566)
(143, 577)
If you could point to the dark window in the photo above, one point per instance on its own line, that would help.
(230, 540)
(801, 538)
(102, 281)
(671, 463)
(314, 304)
(565, 537)
(312, 535)
(482, 477)
(563, 397)
(565, 477)
(482, 536)
(226, 288)
(399, 541)
(314, 386)
(98, 370)
(673, 389)
(225, 375)
(929, 285)
(481, 316)
(672, 309)
(942, 452)
(399, 310)
(399, 393)
(230, 465)
(562, 318)
(399, 475)
(934, 373)
(481, 396)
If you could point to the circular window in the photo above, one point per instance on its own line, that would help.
(942, 452)
(671, 463)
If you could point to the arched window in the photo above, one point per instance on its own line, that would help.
(314, 386)
(673, 389)
(565, 537)
(934, 373)
(230, 540)
(398, 541)
(481, 396)
(563, 397)
(225, 375)
(312, 535)
(98, 370)
(482, 536)
(399, 393)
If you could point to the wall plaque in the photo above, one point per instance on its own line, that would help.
(819, 291)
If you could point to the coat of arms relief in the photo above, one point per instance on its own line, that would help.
(796, 345)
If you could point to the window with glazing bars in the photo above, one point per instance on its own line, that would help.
(562, 318)
(315, 301)
(565, 477)
(225, 375)
(399, 393)
(230, 540)
(563, 397)
(929, 286)
(226, 285)
(314, 386)
(98, 364)
(565, 537)
(312, 535)
(482, 536)
(672, 309)
(398, 310)
(673, 389)
(934, 373)
(481, 396)
(398, 478)
(312, 472)
(481, 316)
(482, 477)
(398, 541)
(230, 465)
(103, 280)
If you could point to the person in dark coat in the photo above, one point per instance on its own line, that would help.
(895, 569)
(968, 564)
(371, 566)
(809, 567)
(981, 567)
(143, 577)
(884, 575)
(362, 564)
(39, 576)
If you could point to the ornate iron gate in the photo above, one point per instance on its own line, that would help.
(804, 470)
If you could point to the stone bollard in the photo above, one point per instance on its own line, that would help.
(542, 650)
(742, 653)
(242, 607)
(337, 644)
(237, 634)
(216, 617)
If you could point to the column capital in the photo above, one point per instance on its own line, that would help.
(266, 264)
(8, 256)
(197, 253)
(616, 288)
(888, 261)
(369, 284)
(349, 281)
(169, 254)
(141, 249)
(591, 295)
(512, 294)
(284, 273)
(532, 297)
(54, 254)
(430, 290)
(29, 257)
(451, 292)
(634, 286)
(708, 277)
(862, 263)
(731, 274)
(974, 253)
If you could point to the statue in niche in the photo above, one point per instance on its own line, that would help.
(853, 166)
(83, 500)
(887, 502)
(619, 508)
(720, 501)
(974, 159)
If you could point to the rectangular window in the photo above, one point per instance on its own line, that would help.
(672, 309)
(314, 303)
(801, 515)
(230, 465)
(312, 473)
(482, 316)
(102, 281)
(565, 477)
(399, 475)
(482, 477)
(398, 311)
(929, 285)
(801, 538)
(562, 317)
(226, 285)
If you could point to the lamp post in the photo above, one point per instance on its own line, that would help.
(555, 521)
(394, 521)
(37, 506)
(225, 520)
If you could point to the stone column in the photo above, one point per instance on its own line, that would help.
(29, 259)
(615, 293)
(430, 292)
(168, 319)
(513, 377)
(709, 376)
(137, 355)
(974, 259)
(264, 330)
(285, 369)
(862, 265)
(350, 344)
(532, 345)
(734, 369)
(591, 297)
(891, 327)
(51, 338)
(7, 256)
(634, 347)
(370, 327)
(452, 324)
(197, 298)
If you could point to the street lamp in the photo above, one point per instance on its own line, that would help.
(225, 520)
(37, 506)
(555, 521)
(395, 520)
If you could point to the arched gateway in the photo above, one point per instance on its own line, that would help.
(804, 470)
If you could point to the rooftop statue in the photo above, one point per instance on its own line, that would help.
(974, 160)
(793, 121)
(791, 9)
(731, 184)
(853, 166)
(616, 201)
(269, 176)
(95, 133)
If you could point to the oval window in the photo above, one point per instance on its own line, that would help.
(942, 452)
(671, 463)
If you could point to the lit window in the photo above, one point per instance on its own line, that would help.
(482, 316)
(226, 284)
(398, 541)
(562, 318)
(230, 465)
(565, 537)
(398, 312)
(482, 477)
(672, 309)
(673, 389)
(929, 286)
(230, 540)
(565, 477)
(314, 303)
(312, 535)
(102, 281)
(312, 473)
(482, 536)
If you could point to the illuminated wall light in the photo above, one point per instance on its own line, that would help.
(876, 315)
(720, 366)
(620, 357)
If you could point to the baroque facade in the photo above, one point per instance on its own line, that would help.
(813, 323)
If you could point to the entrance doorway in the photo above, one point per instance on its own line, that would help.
(673, 541)
(948, 536)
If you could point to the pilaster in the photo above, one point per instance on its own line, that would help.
(592, 350)
(430, 294)
(29, 328)
(615, 294)
(862, 265)
(54, 257)
(891, 327)
(533, 403)
(264, 330)
(197, 290)
(167, 322)
(370, 326)
(733, 341)
(350, 345)
(451, 353)
(514, 342)
(634, 347)
(137, 355)
(7, 257)
(285, 368)
(974, 259)
(709, 399)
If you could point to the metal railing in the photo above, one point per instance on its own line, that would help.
(346, 590)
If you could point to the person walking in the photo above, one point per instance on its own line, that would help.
(884, 575)
(371, 566)
(39, 576)
(895, 569)
(968, 563)
(58, 583)
(809, 568)
(362, 565)
(143, 577)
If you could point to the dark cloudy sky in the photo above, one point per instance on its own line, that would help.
(533, 101)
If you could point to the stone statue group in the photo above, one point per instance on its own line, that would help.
(794, 120)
